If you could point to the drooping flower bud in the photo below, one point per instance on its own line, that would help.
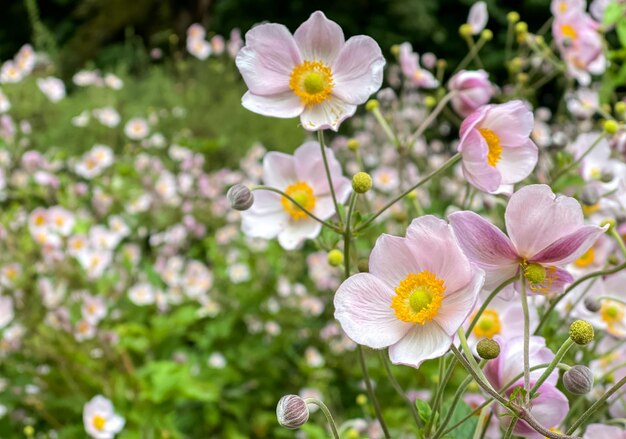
(581, 332)
(488, 349)
(292, 411)
(578, 380)
(590, 195)
(240, 197)
(592, 305)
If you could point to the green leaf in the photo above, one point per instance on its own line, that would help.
(424, 410)
(621, 32)
(466, 429)
(612, 13)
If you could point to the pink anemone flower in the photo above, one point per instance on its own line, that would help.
(550, 406)
(546, 232)
(595, 431)
(417, 294)
(472, 90)
(301, 176)
(314, 73)
(496, 146)
(410, 66)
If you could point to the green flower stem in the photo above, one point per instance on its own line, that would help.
(483, 422)
(526, 335)
(486, 303)
(299, 206)
(567, 344)
(455, 400)
(613, 299)
(455, 158)
(469, 354)
(386, 128)
(372, 395)
(615, 234)
(436, 403)
(553, 305)
(431, 117)
(347, 237)
(596, 405)
(509, 431)
(579, 159)
(320, 138)
(474, 49)
(329, 416)
(396, 385)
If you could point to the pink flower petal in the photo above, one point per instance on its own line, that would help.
(358, 71)
(296, 232)
(284, 105)
(391, 260)
(279, 170)
(363, 308)
(512, 122)
(309, 166)
(421, 343)
(268, 58)
(457, 305)
(478, 16)
(476, 170)
(517, 163)
(435, 249)
(570, 247)
(326, 115)
(535, 218)
(319, 38)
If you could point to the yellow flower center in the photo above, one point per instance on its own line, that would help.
(488, 324)
(586, 259)
(493, 143)
(99, 422)
(611, 312)
(302, 193)
(418, 297)
(588, 210)
(562, 7)
(568, 31)
(312, 81)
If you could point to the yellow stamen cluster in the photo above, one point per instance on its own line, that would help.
(303, 194)
(568, 31)
(488, 324)
(586, 259)
(418, 297)
(312, 81)
(493, 143)
(611, 312)
(99, 422)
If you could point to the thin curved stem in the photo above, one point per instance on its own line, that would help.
(579, 159)
(372, 395)
(486, 303)
(553, 305)
(298, 205)
(320, 138)
(591, 410)
(567, 344)
(455, 158)
(329, 416)
(429, 119)
(620, 242)
(526, 335)
(347, 236)
(396, 385)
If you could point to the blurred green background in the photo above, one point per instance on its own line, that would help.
(79, 31)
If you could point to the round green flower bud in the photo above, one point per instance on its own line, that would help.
(611, 126)
(430, 101)
(292, 411)
(441, 63)
(353, 144)
(335, 257)
(592, 304)
(535, 273)
(512, 17)
(486, 35)
(620, 107)
(361, 182)
(516, 64)
(488, 349)
(578, 380)
(240, 197)
(521, 27)
(361, 399)
(465, 30)
(581, 332)
(395, 50)
(353, 433)
(372, 105)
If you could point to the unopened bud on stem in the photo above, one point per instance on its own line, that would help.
(578, 380)
(240, 197)
(292, 412)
